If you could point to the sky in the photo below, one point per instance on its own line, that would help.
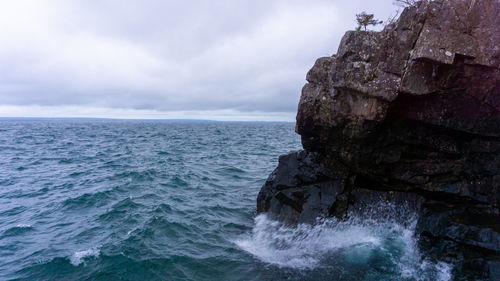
(155, 59)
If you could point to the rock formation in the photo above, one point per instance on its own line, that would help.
(409, 114)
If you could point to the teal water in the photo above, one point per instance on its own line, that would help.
(134, 200)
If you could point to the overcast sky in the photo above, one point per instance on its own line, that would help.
(213, 59)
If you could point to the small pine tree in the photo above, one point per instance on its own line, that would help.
(365, 20)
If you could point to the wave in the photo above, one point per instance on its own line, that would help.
(17, 230)
(88, 200)
(79, 257)
(22, 225)
(357, 246)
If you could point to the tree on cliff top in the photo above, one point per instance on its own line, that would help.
(365, 20)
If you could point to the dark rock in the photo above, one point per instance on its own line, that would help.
(301, 188)
(401, 206)
(410, 117)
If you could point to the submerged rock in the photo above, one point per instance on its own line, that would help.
(409, 115)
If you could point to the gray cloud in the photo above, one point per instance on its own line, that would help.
(167, 56)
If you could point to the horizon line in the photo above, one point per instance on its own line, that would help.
(20, 118)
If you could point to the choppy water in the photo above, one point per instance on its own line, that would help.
(96, 200)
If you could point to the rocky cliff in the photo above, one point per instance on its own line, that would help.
(409, 115)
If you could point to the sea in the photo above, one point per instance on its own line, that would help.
(174, 200)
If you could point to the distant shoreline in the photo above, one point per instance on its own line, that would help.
(129, 119)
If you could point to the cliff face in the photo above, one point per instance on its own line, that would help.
(410, 114)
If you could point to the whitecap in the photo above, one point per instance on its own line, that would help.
(132, 230)
(22, 225)
(79, 257)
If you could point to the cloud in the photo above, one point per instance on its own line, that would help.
(200, 56)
